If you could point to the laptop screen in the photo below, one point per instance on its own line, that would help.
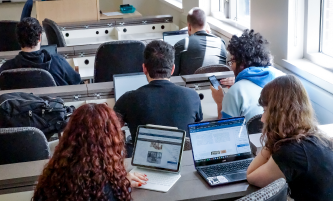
(172, 37)
(128, 82)
(158, 148)
(219, 141)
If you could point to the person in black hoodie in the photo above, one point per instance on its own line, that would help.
(29, 35)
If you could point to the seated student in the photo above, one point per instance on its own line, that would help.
(200, 48)
(294, 147)
(160, 102)
(29, 35)
(88, 163)
(250, 61)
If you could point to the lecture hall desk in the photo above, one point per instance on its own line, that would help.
(189, 187)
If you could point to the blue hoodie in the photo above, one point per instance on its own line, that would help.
(258, 75)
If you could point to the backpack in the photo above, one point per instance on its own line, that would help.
(48, 114)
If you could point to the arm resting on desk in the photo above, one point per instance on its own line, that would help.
(263, 170)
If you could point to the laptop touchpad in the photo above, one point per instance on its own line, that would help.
(236, 177)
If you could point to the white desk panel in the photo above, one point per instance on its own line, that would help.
(21, 196)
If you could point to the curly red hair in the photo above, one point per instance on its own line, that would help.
(90, 155)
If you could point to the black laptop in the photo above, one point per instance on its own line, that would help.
(221, 150)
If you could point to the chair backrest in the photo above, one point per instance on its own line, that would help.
(187, 145)
(8, 39)
(53, 33)
(118, 57)
(276, 191)
(22, 144)
(22, 78)
(212, 69)
(254, 125)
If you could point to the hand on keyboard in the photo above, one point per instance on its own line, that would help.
(137, 179)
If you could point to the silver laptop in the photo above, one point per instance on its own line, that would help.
(221, 150)
(172, 37)
(158, 154)
(128, 82)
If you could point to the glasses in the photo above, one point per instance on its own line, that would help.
(230, 62)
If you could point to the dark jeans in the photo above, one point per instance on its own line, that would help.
(26, 12)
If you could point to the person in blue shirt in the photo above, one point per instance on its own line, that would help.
(251, 63)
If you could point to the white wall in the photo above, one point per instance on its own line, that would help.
(12, 11)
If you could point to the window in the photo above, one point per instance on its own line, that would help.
(326, 38)
(236, 12)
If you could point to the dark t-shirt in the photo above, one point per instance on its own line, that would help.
(308, 168)
(160, 102)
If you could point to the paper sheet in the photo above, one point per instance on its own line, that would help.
(113, 14)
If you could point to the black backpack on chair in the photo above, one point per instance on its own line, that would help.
(48, 114)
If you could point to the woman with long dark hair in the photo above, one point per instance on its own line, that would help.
(251, 63)
(88, 163)
(294, 147)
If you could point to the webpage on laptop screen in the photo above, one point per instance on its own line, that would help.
(158, 148)
(219, 139)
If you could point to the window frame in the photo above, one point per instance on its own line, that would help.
(312, 39)
(220, 15)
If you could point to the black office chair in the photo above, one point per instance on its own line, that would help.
(53, 33)
(212, 69)
(276, 191)
(22, 78)
(22, 144)
(254, 125)
(118, 57)
(8, 40)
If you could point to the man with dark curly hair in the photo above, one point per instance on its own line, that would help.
(29, 35)
(251, 63)
(201, 48)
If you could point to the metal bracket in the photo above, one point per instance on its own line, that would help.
(86, 26)
(110, 25)
(122, 23)
(196, 87)
(144, 22)
(81, 54)
(167, 20)
(76, 97)
(66, 56)
(63, 28)
(98, 96)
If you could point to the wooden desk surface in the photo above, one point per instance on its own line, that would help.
(189, 187)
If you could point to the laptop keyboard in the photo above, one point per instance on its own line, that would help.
(226, 168)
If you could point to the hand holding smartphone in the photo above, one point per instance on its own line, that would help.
(214, 82)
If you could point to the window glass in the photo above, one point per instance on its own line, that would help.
(327, 28)
(235, 10)
(243, 11)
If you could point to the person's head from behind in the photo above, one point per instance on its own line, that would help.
(288, 114)
(248, 50)
(196, 20)
(89, 156)
(159, 58)
(29, 33)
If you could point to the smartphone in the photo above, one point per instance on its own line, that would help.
(215, 83)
